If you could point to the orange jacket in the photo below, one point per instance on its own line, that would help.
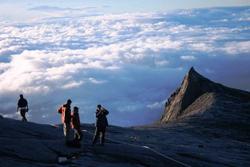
(75, 120)
(66, 113)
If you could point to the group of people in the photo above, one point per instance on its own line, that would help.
(72, 120)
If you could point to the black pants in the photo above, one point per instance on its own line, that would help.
(99, 130)
(22, 113)
(77, 139)
(78, 135)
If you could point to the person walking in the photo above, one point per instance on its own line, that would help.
(101, 123)
(65, 111)
(22, 106)
(75, 122)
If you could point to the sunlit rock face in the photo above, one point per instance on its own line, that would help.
(198, 94)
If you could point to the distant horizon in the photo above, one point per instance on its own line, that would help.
(24, 10)
(130, 62)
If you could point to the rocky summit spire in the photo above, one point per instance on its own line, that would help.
(196, 95)
(191, 88)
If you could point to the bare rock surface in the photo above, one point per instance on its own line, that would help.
(30, 144)
(27, 144)
(211, 119)
(176, 144)
(198, 94)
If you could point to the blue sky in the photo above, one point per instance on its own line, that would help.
(129, 59)
(18, 10)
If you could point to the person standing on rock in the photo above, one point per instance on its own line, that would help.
(101, 123)
(65, 111)
(22, 106)
(75, 122)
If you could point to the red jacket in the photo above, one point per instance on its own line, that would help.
(66, 113)
(75, 120)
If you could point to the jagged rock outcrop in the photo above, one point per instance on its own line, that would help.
(197, 94)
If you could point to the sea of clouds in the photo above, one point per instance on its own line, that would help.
(129, 62)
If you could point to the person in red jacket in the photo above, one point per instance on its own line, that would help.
(75, 122)
(65, 111)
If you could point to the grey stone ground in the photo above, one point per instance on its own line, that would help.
(26, 144)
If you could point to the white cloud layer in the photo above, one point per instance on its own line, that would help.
(187, 57)
(130, 63)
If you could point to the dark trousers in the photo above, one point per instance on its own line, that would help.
(77, 135)
(77, 139)
(22, 113)
(99, 130)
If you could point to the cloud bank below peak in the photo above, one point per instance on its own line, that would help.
(130, 63)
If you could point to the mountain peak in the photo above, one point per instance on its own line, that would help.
(192, 70)
(192, 75)
(196, 95)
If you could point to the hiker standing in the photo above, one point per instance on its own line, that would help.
(22, 106)
(65, 111)
(75, 122)
(101, 123)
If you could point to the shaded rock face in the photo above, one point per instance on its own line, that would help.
(28, 144)
(25, 144)
(197, 94)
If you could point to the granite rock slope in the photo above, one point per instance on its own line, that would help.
(26, 144)
(198, 94)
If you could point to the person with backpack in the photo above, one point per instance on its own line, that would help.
(65, 111)
(75, 122)
(101, 123)
(22, 106)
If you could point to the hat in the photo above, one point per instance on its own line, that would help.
(76, 108)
